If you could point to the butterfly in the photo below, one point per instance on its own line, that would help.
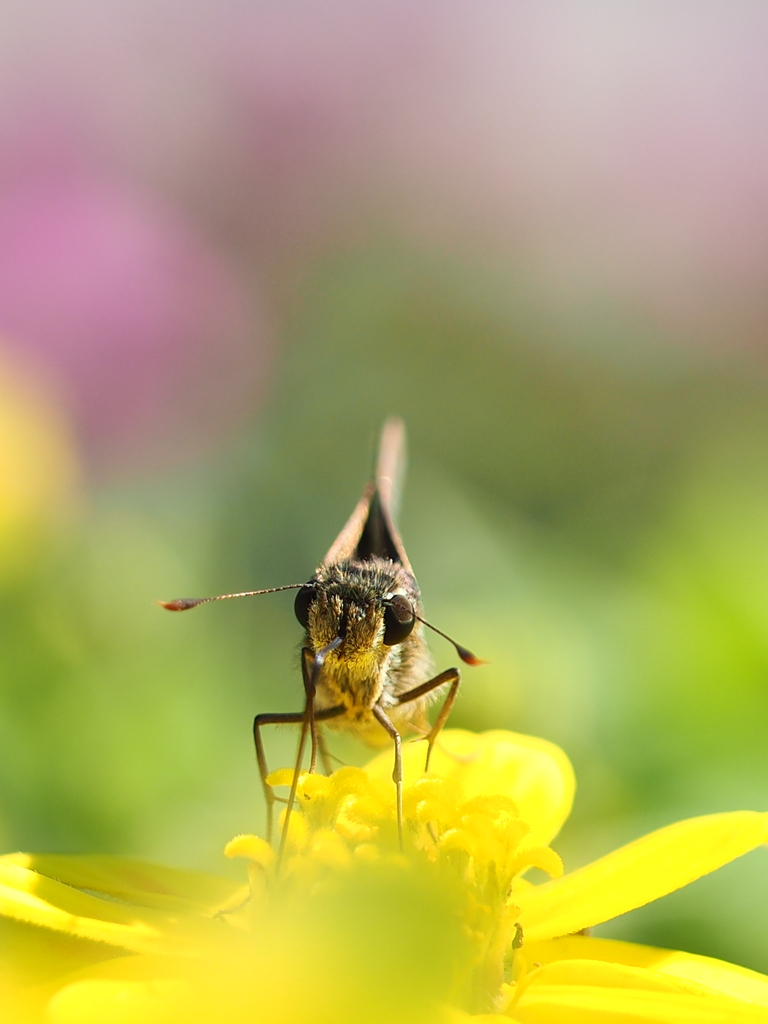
(364, 659)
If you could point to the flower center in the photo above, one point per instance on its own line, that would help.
(478, 846)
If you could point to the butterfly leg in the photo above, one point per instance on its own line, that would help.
(389, 727)
(288, 718)
(309, 721)
(307, 670)
(451, 676)
(285, 718)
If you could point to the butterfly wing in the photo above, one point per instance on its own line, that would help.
(370, 530)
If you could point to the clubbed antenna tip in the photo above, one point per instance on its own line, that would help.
(468, 657)
(182, 604)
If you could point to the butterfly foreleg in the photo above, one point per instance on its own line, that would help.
(307, 674)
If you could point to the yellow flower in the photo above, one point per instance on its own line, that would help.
(349, 928)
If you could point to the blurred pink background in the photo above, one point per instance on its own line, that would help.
(170, 171)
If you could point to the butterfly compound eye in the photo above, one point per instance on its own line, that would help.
(399, 620)
(301, 605)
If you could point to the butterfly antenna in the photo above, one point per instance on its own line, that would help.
(464, 653)
(183, 604)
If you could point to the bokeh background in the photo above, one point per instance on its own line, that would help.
(235, 236)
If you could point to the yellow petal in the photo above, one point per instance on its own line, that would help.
(460, 1017)
(28, 896)
(534, 774)
(131, 880)
(143, 990)
(584, 1004)
(32, 1004)
(601, 993)
(605, 974)
(95, 1001)
(717, 975)
(638, 873)
(31, 956)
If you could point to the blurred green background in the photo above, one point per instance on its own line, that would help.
(231, 243)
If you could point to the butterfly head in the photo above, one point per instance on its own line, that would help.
(371, 606)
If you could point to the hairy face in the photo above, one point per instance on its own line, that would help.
(369, 605)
